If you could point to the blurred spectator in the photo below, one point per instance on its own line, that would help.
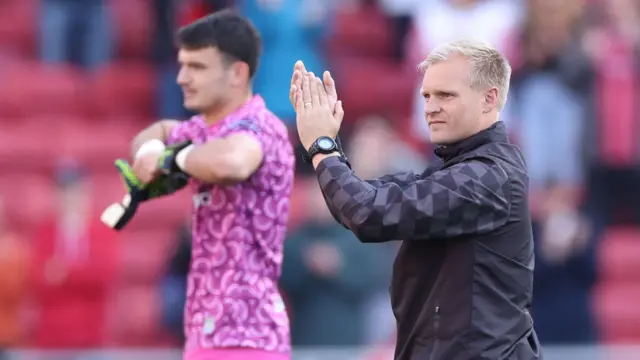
(550, 95)
(565, 273)
(614, 172)
(73, 269)
(174, 284)
(327, 275)
(14, 262)
(76, 31)
(551, 92)
(401, 11)
(169, 97)
(291, 30)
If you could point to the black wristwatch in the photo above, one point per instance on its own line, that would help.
(322, 145)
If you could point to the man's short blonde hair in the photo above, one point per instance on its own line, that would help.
(489, 68)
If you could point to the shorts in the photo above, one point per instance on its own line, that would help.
(234, 354)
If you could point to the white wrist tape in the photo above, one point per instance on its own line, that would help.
(155, 146)
(181, 158)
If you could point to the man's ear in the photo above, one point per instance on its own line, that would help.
(490, 101)
(239, 73)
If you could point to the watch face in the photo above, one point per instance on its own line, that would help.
(326, 144)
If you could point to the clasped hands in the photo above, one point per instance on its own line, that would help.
(152, 176)
(318, 111)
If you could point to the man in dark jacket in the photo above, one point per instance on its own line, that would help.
(463, 278)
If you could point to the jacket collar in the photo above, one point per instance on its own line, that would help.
(496, 133)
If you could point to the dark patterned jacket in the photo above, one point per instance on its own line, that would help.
(462, 280)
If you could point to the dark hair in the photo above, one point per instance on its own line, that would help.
(232, 34)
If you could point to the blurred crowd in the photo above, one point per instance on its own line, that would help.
(573, 108)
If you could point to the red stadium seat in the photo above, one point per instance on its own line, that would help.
(96, 143)
(616, 308)
(618, 256)
(124, 90)
(389, 92)
(59, 90)
(28, 198)
(37, 142)
(135, 316)
(32, 89)
(27, 145)
(618, 290)
(17, 30)
(362, 32)
(134, 28)
(144, 254)
(107, 188)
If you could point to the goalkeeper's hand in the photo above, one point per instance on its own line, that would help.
(167, 161)
(165, 184)
(117, 215)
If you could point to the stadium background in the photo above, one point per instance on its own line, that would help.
(78, 78)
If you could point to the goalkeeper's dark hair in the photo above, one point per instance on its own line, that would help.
(232, 34)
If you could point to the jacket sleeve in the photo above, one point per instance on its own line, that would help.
(401, 179)
(466, 198)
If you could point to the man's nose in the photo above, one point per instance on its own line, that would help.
(431, 106)
(182, 78)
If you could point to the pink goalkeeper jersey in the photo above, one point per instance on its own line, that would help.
(238, 234)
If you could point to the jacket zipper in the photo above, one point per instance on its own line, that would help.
(436, 330)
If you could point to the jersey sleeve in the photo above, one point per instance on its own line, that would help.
(180, 132)
(247, 127)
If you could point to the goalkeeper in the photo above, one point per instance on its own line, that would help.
(240, 165)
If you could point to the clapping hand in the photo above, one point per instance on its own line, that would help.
(318, 111)
(296, 83)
